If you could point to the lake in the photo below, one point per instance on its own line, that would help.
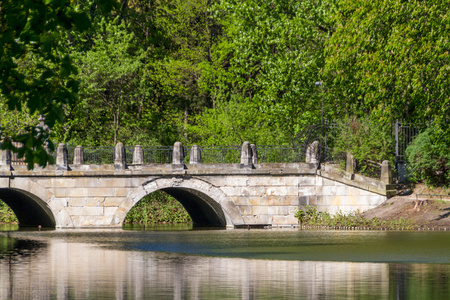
(176, 262)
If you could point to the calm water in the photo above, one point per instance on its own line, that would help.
(223, 264)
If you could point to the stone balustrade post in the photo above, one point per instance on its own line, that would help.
(62, 157)
(386, 172)
(195, 157)
(178, 155)
(120, 161)
(78, 156)
(246, 155)
(138, 155)
(312, 153)
(5, 160)
(350, 166)
(254, 153)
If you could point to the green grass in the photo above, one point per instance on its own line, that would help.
(310, 216)
(157, 207)
(7, 216)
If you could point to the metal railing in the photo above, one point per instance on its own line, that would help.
(403, 133)
(157, 155)
(326, 134)
(280, 154)
(98, 155)
(219, 154)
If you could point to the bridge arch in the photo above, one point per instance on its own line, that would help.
(206, 204)
(30, 210)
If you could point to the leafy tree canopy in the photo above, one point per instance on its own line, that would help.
(390, 59)
(37, 71)
(267, 59)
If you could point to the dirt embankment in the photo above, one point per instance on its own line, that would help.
(426, 208)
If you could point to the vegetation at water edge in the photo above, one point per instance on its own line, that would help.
(7, 216)
(157, 207)
(310, 216)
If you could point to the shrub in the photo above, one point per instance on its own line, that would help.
(428, 157)
(310, 216)
(157, 207)
(6, 214)
(366, 139)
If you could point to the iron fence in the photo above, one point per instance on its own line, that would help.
(15, 160)
(98, 155)
(369, 168)
(325, 134)
(219, 154)
(280, 154)
(403, 133)
(158, 155)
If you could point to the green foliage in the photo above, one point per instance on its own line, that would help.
(111, 90)
(157, 207)
(6, 214)
(265, 62)
(233, 122)
(310, 216)
(366, 139)
(389, 58)
(37, 71)
(428, 157)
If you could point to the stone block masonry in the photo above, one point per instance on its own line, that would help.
(227, 195)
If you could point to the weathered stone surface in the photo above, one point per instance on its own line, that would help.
(75, 211)
(246, 155)
(78, 156)
(121, 192)
(279, 200)
(92, 211)
(254, 154)
(120, 161)
(350, 165)
(96, 201)
(77, 202)
(289, 220)
(246, 209)
(312, 153)
(178, 154)
(386, 172)
(62, 157)
(113, 201)
(244, 191)
(110, 211)
(40, 192)
(306, 190)
(260, 210)
(195, 156)
(5, 160)
(95, 195)
(138, 155)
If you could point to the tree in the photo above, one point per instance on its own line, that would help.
(390, 59)
(268, 58)
(34, 31)
(428, 157)
(110, 84)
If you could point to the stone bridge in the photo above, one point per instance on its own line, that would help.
(82, 195)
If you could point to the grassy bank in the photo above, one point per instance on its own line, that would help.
(7, 216)
(309, 216)
(158, 207)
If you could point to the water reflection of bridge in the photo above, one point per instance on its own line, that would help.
(249, 192)
(63, 270)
